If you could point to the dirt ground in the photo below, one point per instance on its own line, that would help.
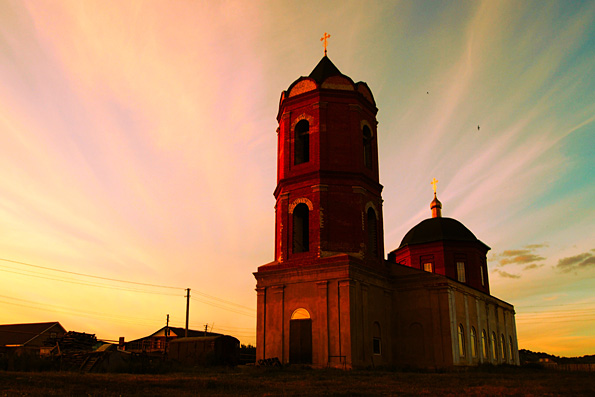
(253, 381)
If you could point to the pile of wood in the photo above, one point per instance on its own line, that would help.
(73, 349)
(73, 341)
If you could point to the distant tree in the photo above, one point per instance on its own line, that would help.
(528, 357)
(247, 354)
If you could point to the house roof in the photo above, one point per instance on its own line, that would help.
(202, 338)
(178, 332)
(21, 334)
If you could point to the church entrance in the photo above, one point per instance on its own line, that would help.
(300, 337)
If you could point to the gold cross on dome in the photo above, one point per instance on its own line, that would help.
(324, 38)
(434, 183)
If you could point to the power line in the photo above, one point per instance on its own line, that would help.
(224, 304)
(88, 275)
(129, 320)
(141, 291)
(197, 327)
(224, 308)
(223, 301)
(71, 281)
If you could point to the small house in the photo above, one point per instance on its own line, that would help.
(29, 338)
(157, 341)
(205, 350)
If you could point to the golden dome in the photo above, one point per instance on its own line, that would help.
(436, 207)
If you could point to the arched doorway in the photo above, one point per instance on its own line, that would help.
(300, 337)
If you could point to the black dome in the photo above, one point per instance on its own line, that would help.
(437, 229)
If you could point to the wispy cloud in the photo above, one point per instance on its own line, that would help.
(519, 257)
(578, 262)
(506, 274)
(536, 246)
(533, 266)
(525, 256)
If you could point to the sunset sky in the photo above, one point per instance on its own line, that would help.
(137, 143)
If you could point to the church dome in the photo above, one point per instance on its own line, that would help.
(438, 229)
(435, 203)
(436, 207)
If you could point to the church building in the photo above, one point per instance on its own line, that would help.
(330, 298)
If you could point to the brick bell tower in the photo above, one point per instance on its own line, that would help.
(328, 194)
(312, 299)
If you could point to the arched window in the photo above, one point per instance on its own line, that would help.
(484, 343)
(461, 340)
(473, 343)
(494, 347)
(377, 341)
(302, 142)
(300, 314)
(301, 225)
(503, 347)
(367, 137)
(372, 233)
(510, 347)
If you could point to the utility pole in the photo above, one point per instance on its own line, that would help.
(166, 335)
(187, 310)
(206, 327)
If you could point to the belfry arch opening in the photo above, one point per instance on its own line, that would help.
(301, 228)
(372, 233)
(367, 140)
(302, 142)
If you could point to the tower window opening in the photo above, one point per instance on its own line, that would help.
(428, 267)
(302, 142)
(372, 233)
(301, 229)
(483, 283)
(367, 138)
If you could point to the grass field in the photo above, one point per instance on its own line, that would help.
(253, 381)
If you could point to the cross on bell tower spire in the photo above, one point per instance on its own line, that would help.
(324, 39)
(434, 183)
